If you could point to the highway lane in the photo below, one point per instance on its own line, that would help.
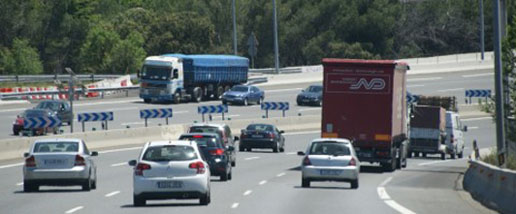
(263, 182)
(126, 110)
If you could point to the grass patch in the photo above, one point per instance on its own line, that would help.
(492, 158)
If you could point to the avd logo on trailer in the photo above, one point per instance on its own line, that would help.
(374, 84)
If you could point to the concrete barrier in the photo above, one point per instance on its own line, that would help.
(14, 148)
(492, 186)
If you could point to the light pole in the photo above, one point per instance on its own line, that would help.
(499, 92)
(235, 49)
(71, 94)
(276, 51)
(482, 48)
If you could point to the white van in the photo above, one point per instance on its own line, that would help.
(454, 135)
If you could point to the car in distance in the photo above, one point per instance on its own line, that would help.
(59, 162)
(217, 155)
(262, 136)
(310, 96)
(18, 124)
(60, 108)
(170, 170)
(330, 159)
(243, 94)
(222, 130)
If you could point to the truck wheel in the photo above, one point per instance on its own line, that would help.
(146, 100)
(197, 94)
(452, 155)
(416, 154)
(226, 88)
(409, 154)
(424, 155)
(240, 149)
(218, 95)
(177, 98)
(460, 155)
(443, 156)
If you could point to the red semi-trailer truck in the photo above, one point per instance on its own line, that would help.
(365, 101)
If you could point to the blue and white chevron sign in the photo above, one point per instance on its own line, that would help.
(275, 106)
(478, 93)
(156, 113)
(95, 116)
(212, 109)
(41, 122)
(412, 98)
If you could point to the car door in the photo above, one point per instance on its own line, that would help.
(457, 133)
(255, 94)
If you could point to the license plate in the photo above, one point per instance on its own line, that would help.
(256, 136)
(54, 162)
(366, 155)
(170, 184)
(330, 172)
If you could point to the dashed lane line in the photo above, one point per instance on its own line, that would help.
(74, 209)
(11, 165)
(382, 193)
(281, 174)
(262, 182)
(252, 158)
(451, 89)
(19, 184)
(478, 75)
(477, 118)
(234, 205)
(248, 192)
(119, 164)
(436, 162)
(300, 133)
(423, 79)
(112, 194)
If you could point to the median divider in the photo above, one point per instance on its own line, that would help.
(14, 148)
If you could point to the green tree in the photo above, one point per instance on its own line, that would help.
(7, 63)
(97, 47)
(26, 58)
(126, 56)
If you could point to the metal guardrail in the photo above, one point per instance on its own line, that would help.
(50, 78)
(77, 91)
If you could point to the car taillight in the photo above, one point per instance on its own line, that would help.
(144, 84)
(352, 162)
(30, 162)
(79, 161)
(306, 161)
(243, 135)
(271, 135)
(217, 152)
(199, 166)
(140, 168)
(18, 121)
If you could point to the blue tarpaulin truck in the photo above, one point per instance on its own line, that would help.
(178, 77)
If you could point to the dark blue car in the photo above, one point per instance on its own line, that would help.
(310, 96)
(243, 94)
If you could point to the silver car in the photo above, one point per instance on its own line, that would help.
(330, 159)
(59, 162)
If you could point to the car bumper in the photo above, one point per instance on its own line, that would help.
(149, 186)
(256, 143)
(218, 168)
(315, 173)
(75, 173)
(233, 99)
(308, 101)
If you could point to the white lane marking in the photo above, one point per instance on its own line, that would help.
(134, 123)
(11, 165)
(477, 75)
(119, 164)
(248, 192)
(434, 162)
(451, 89)
(382, 193)
(472, 127)
(478, 118)
(19, 184)
(119, 150)
(74, 209)
(226, 116)
(300, 133)
(108, 103)
(281, 174)
(309, 109)
(262, 182)
(251, 158)
(415, 86)
(424, 79)
(121, 109)
(112, 194)
(398, 207)
(234, 206)
(282, 90)
(14, 109)
(291, 153)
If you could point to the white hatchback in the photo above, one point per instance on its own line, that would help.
(330, 159)
(170, 170)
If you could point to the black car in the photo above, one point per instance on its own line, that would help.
(60, 108)
(217, 155)
(262, 136)
(222, 130)
(18, 124)
(310, 96)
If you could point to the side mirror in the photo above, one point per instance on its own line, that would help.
(26, 154)
(300, 153)
(236, 138)
(94, 153)
(281, 131)
(303, 90)
(465, 128)
(132, 163)
(231, 148)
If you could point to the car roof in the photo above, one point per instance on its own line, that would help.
(54, 140)
(52, 101)
(260, 124)
(200, 133)
(172, 142)
(208, 124)
(339, 140)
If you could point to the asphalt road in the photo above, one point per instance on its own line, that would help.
(126, 110)
(265, 182)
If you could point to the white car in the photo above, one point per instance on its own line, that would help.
(170, 170)
(330, 159)
(59, 162)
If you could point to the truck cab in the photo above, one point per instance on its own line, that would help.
(161, 79)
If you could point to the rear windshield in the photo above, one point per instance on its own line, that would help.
(260, 127)
(203, 141)
(329, 148)
(169, 153)
(54, 106)
(56, 147)
(35, 113)
(206, 129)
(240, 89)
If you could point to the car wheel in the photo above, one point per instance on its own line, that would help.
(230, 175)
(16, 133)
(224, 177)
(138, 201)
(86, 186)
(305, 182)
(246, 102)
(94, 184)
(282, 149)
(233, 163)
(205, 199)
(354, 184)
(30, 187)
(275, 148)
(443, 156)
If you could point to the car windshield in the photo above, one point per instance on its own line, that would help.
(169, 153)
(203, 141)
(329, 148)
(206, 129)
(54, 106)
(156, 72)
(314, 88)
(240, 88)
(56, 147)
(35, 113)
(260, 127)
